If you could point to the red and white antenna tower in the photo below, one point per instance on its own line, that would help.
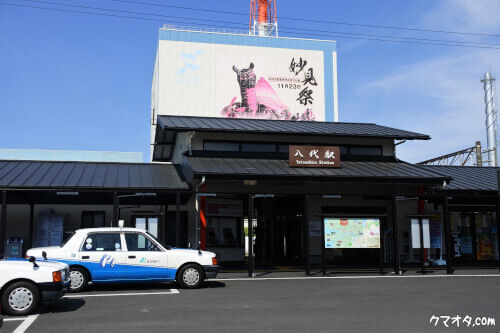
(263, 19)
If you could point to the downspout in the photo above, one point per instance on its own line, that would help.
(198, 213)
(190, 138)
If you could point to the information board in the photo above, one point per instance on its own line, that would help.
(361, 233)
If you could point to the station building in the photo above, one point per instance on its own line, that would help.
(248, 160)
(211, 176)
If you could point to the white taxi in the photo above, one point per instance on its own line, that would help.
(113, 255)
(26, 283)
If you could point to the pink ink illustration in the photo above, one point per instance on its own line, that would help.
(259, 100)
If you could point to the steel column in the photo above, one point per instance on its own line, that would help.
(307, 208)
(3, 223)
(114, 222)
(177, 219)
(422, 251)
(395, 236)
(447, 235)
(498, 218)
(29, 243)
(323, 248)
(251, 267)
(381, 249)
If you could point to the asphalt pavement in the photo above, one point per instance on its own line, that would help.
(283, 303)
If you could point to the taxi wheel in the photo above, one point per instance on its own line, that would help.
(190, 276)
(20, 298)
(79, 279)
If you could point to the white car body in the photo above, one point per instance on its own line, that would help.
(38, 274)
(105, 254)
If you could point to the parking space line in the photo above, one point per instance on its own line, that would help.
(26, 324)
(171, 291)
(355, 277)
(14, 319)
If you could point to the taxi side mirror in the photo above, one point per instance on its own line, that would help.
(33, 261)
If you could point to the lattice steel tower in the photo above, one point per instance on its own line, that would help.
(263, 20)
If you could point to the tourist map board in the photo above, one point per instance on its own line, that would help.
(361, 233)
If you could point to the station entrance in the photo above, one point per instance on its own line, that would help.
(279, 231)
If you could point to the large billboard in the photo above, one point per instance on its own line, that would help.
(237, 81)
(211, 74)
(361, 233)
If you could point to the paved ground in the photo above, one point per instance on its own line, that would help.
(281, 302)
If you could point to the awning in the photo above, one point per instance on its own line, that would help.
(468, 178)
(90, 175)
(350, 171)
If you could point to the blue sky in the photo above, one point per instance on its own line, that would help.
(83, 82)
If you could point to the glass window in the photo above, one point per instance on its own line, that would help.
(223, 231)
(92, 219)
(147, 223)
(258, 147)
(139, 242)
(343, 150)
(67, 239)
(102, 242)
(221, 146)
(366, 150)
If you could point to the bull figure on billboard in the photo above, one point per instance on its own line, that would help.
(247, 79)
(259, 100)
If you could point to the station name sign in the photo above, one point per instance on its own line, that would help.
(314, 156)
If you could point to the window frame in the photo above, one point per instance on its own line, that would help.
(145, 234)
(277, 145)
(101, 232)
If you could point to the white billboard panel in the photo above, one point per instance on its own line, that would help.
(237, 81)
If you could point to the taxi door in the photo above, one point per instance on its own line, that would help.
(146, 261)
(102, 255)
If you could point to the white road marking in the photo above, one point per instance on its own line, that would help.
(353, 277)
(172, 291)
(26, 324)
(14, 319)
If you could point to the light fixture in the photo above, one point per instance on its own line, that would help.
(263, 195)
(332, 196)
(66, 193)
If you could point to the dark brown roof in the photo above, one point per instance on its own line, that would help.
(92, 175)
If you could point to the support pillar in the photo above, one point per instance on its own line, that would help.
(177, 219)
(381, 249)
(251, 267)
(323, 248)
(3, 224)
(498, 218)
(447, 236)
(422, 250)
(114, 222)
(307, 209)
(395, 236)
(29, 241)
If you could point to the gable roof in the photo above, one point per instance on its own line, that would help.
(168, 126)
